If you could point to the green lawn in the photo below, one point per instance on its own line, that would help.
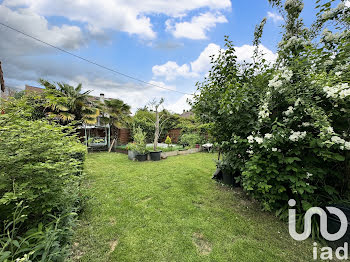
(173, 211)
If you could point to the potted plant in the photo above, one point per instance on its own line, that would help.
(131, 147)
(156, 154)
(228, 177)
(140, 144)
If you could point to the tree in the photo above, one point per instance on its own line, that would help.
(67, 103)
(158, 122)
(116, 113)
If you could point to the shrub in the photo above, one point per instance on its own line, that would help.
(140, 141)
(168, 140)
(39, 167)
(284, 127)
(190, 139)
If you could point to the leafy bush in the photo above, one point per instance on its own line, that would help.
(168, 140)
(40, 164)
(190, 139)
(140, 141)
(284, 127)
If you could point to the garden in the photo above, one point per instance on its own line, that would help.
(276, 131)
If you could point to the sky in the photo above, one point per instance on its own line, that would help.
(165, 43)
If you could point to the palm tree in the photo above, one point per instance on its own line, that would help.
(115, 113)
(67, 103)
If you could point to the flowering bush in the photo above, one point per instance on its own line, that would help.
(285, 126)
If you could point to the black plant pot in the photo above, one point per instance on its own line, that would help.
(334, 223)
(228, 178)
(141, 157)
(155, 156)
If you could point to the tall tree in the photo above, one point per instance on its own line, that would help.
(67, 103)
(116, 113)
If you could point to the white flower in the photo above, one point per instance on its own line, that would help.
(268, 136)
(289, 111)
(306, 124)
(330, 130)
(274, 149)
(250, 139)
(275, 82)
(259, 140)
(264, 111)
(339, 91)
(347, 145)
(250, 152)
(338, 73)
(287, 74)
(337, 140)
(295, 136)
(308, 175)
(297, 102)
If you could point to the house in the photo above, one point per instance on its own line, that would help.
(187, 114)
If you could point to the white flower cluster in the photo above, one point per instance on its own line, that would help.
(340, 141)
(295, 136)
(329, 14)
(308, 175)
(293, 42)
(268, 136)
(289, 111)
(294, 4)
(264, 111)
(257, 139)
(340, 91)
(287, 74)
(277, 80)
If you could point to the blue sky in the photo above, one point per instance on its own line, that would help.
(163, 42)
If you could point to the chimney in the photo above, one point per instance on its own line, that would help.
(102, 98)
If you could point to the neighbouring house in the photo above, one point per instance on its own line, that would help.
(97, 136)
(33, 90)
(187, 114)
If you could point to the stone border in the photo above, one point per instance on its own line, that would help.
(180, 152)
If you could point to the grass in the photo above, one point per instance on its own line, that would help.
(173, 211)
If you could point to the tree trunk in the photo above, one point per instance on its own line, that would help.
(156, 132)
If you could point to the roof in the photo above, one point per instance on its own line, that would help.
(33, 89)
(187, 114)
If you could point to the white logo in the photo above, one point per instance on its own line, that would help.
(323, 225)
(326, 252)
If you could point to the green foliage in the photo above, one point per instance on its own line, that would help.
(140, 141)
(190, 139)
(145, 119)
(168, 140)
(40, 164)
(284, 127)
(67, 103)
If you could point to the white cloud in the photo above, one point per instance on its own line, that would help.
(127, 16)
(347, 3)
(202, 63)
(275, 17)
(181, 104)
(161, 85)
(171, 70)
(198, 26)
(245, 53)
(135, 94)
(65, 36)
